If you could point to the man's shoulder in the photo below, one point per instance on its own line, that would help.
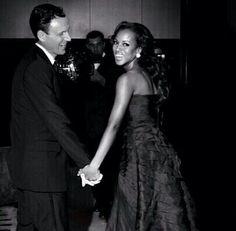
(32, 62)
(37, 57)
(27, 58)
(30, 55)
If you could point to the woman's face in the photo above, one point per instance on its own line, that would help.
(125, 48)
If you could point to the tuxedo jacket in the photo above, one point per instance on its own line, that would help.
(41, 133)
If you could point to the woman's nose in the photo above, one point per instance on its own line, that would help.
(118, 47)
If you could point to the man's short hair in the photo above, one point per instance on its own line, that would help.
(42, 15)
(95, 34)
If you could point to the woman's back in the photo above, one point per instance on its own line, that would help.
(141, 82)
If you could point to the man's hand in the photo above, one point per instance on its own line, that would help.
(90, 175)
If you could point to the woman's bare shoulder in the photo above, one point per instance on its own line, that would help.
(131, 75)
(126, 82)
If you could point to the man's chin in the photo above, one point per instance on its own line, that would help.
(62, 52)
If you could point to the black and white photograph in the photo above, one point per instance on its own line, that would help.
(112, 115)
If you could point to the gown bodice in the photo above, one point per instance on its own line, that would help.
(143, 109)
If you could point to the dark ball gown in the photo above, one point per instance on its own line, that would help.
(151, 194)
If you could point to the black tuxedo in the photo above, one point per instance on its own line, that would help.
(41, 139)
(41, 133)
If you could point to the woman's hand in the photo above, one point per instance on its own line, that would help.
(91, 173)
(92, 177)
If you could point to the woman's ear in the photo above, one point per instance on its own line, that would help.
(138, 54)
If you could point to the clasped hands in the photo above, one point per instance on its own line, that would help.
(90, 175)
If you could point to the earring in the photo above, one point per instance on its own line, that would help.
(138, 55)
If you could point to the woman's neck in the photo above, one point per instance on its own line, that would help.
(133, 65)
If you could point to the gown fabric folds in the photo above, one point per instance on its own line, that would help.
(151, 194)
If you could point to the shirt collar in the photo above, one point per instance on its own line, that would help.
(50, 57)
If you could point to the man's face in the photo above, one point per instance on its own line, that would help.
(95, 47)
(57, 37)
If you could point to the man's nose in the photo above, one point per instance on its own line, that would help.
(67, 37)
(96, 49)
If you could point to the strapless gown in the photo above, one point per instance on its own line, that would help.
(151, 194)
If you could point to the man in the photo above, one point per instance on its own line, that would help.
(95, 53)
(99, 74)
(41, 133)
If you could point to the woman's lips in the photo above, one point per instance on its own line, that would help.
(118, 57)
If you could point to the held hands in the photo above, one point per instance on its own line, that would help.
(90, 175)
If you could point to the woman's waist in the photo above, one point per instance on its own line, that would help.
(141, 129)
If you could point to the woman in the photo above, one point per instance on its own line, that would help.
(151, 194)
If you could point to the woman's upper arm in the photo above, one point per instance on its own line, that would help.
(124, 91)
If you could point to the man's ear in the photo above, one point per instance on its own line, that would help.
(41, 35)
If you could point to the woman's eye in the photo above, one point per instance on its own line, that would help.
(125, 44)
